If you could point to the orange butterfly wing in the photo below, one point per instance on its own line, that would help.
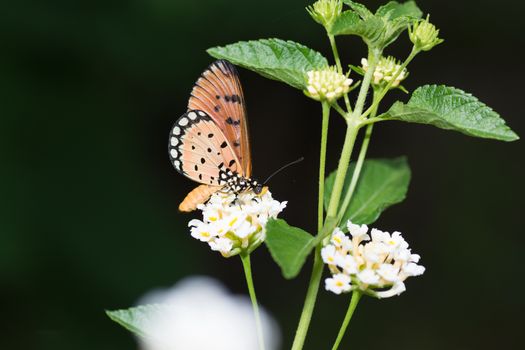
(199, 150)
(218, 92)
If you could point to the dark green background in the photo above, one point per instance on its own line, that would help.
(88, 217)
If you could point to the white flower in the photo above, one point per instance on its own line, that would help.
(368, 276)
(412, 269)
(338, 284)
(328, 254)
(357, 231)
(327, 84)
(221, 244)
(376, 266)
(389, 272)
(396, 289)
(386, 69)
(199, 313)
(233, 224)
(347, 263)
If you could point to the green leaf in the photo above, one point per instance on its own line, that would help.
(380, 29)
(360, 9)
(136, 319)
(370, 29)
(275, 59)
(289, 246)
(451, 109)
(382, 183)
(394, 9)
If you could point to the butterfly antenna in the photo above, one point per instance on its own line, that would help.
(282, 168)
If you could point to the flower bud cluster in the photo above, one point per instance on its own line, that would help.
(327, 84)
(234, 224)
(424, 35)
(377, 265)
(325, 12)
(386, 69)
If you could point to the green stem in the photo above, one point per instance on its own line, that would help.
(374, 106)
(339, 110)
(317, 269)
(358, 166)
(309, 302)
(356, 173)
(322, 162)
(245, 258)
(356, 295)
(339, 67)
(351, 134)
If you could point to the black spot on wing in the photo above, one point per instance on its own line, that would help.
(231, 162)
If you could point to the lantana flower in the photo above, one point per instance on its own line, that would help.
(375, 264)
(386, 70)
(234, 224)
(327, 84)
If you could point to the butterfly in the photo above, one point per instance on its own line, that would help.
(209, 143)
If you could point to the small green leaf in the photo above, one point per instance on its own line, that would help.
(394, 9)
(452, 109)
(382, 183)
(370, 29)
(380, 29)
(276, 59)
(288, 245)
(136, 319)
(360, 9)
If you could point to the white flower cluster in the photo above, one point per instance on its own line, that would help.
(327, 84)
(385, 71)
(377, 267)
(231, 225)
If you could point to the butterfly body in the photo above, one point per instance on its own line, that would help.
(209, 143)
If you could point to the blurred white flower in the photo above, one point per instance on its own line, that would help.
(231, 225)
(338, 284)
(386, 70)
(327, 84)
(198, 313)
(376, 265)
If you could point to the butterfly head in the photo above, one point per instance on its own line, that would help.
(257, 187)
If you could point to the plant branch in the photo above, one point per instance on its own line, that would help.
(339, 67)
(245, 258)
(359, 164)
(309, 302)
(351, 134)
(356, 295)
(322, 162)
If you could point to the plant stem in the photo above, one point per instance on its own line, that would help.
(309, 302)
(351, 134)
(356, 295)
(339, 67)
(245, 258)
(359, 164)
(356, 173)
(322, 162)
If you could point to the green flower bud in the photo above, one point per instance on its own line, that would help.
(424, 35)
(325, 12)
